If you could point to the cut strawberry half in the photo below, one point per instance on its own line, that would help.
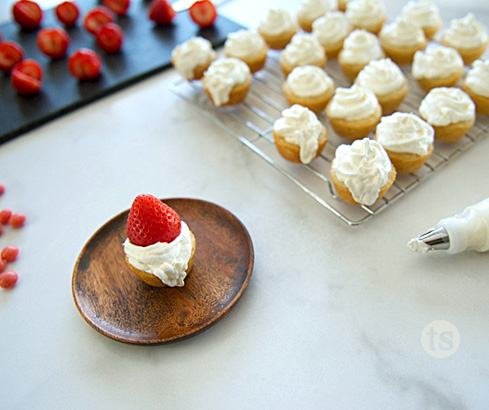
(53, 42)
(119, 7)
(161, 12)
(110, 38)
(27, 14)
(85, 64)
(203, 12)
(96, 18)
(67, 13)
(26, 77)
(11, 53)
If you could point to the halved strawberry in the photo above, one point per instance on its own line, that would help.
(110, 38)
(119, 7)
(26, 77)
(27, 14)
(53, 42)
(96, 18)
(11, 53)
(161, 12)
(151, 221)
(67, 13)
(203, 12)
(85, 64)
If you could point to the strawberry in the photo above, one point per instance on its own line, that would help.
(53, 42)
(96, 18)
(161, 12)
(67, 13)
(110, 38)
(85, 64)
(203, 12)
(27, 14)
(26, 77)
(119, 7)
(151, 221)
(10, 54)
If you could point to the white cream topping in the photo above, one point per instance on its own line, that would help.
(417, 245)
(360, 47)
(364, 168)
(465, 33)
(331, 28)
(277, 21)
(353, 103)
(381, 76)
(436, 61)
(447, 105)
(194, 53)
(365, 13)
(243, 44)
(423, 13)
(302, 49)
(313, 9)
(167, 261)
(309, 81)
(222, 75)
(477, 78)
(403, 132)
(300, 126)
(402, 32)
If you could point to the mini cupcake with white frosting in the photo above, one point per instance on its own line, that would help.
(310, 10)
(331, 31)
(401, 39)
(387, 82)
(476, 84)
(366, 14)
(353, 112)
(303, 49)
(299, 136)
(342, 4)
(425, 14)
(359, 48)
(227, 81)
(192, 57)
(248, 47)
(308, 86)
(362, 172)
(450, 111)
(468, 36)
(407, 139)
(437, 66)
(277, 28)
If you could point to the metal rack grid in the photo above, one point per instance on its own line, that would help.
(251, 123)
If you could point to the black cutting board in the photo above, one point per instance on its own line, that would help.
(146, 51)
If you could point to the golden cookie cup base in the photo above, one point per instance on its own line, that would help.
(255, 62)
(287, 69)
(471, 54)
(291, 152)
(316, 103)
(427, 84)
(236, 96)
(391, 101)
(430, 31)
(481, 102)
(305, 23)
(452, 132)
(199, 71)
(279, 41)
(354, 129)
(375, 29)
(402, 55)
(405, 162)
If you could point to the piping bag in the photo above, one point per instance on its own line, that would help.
(468, 230)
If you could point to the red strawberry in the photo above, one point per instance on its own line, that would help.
(53, 42)
(161, 12)
(110, 38)
(96, 18)
(27, 14)
(119, 7)
(10, 54)
(67, 12)
(85, 64)
(151, 221)
(26, 77)
(203, 12)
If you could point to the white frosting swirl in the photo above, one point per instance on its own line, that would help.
(302, 49)
(477, 78)
(313, 9)
(243, 44)
(353, 103)
(277, 21)
(365, 13)
(465, 33)
(167, 261)
(360, 47)
(436, 61)
(309, 81)
(447, 105)
(364, 167)
(423, 13)
(196, 52)
(331, 28)
(402, 32)
(221, 77)
(381, 76)
(300, 126)
(403, 132)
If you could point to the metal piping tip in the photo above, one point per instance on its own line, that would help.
(433, 240)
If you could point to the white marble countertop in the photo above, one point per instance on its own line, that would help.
(332, 318)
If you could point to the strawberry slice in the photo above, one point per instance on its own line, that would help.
(27, 14)
(53, 42)
(203, 12)
(85, 64)
(67, 13)
(151, 221)
(119, 7)
(11, 53)
(96, 18)
(26, 77)
(161, 12)
(110, 38)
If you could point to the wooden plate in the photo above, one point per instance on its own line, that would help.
(119, 305)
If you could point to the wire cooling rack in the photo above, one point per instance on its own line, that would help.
(251, 123)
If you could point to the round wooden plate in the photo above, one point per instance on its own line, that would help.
(119, 305)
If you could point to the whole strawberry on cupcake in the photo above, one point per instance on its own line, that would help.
(159, 247)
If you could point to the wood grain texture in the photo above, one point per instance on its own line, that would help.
(119, 305)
